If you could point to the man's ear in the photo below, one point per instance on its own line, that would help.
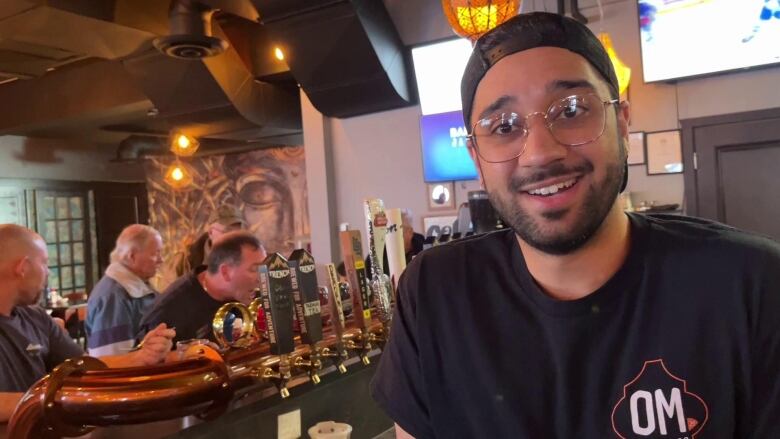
(225, 272)
(623, 120)
(131, 255)
(21, 266)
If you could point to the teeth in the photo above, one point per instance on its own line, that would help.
(552, 189)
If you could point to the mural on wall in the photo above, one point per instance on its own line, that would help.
(268, 185)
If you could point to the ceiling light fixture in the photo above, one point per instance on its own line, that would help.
(183, 145)
(472, 18)
(178, 176)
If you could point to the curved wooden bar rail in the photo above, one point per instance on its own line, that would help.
(82, 393)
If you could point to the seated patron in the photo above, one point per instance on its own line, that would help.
(230, 275)
(121, 298)
(31, 343)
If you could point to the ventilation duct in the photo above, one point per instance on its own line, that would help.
(136, 147)
(346, 55)
(101, 79)
(217, 97)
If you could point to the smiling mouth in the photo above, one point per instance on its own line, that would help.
(553, 189)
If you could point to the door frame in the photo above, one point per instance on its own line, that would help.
(689, 127)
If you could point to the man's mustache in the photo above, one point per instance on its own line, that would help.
(554, 170)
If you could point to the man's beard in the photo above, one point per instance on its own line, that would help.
(599, 199)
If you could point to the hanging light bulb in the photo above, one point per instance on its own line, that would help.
(183, 145)
(622, 71)
(472, 18)
(279, 54)
(178, 176)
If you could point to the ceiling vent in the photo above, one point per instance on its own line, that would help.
(190, 35)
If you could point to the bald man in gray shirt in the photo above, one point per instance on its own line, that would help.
(31, 344)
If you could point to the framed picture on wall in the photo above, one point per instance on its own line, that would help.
(441, 196)
(663, 152)
(636, 148)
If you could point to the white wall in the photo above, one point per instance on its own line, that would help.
(23, 157)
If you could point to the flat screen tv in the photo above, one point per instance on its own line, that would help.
(438, 68)
(444, 152)
(686, 38)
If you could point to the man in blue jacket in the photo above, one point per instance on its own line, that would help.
(123, 295)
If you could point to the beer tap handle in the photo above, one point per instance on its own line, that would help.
(276, 292)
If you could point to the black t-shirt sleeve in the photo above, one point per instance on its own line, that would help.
(398, 385)
(765, 403)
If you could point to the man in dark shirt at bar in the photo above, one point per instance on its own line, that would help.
(190, 302)
(31, 344)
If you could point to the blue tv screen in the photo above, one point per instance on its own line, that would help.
(444, 151)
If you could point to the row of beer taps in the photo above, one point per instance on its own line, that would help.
(289, 291)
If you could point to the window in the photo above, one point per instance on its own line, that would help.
(63, 221)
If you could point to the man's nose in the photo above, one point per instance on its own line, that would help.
(541, 148)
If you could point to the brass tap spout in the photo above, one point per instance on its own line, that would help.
(338, 357)
(359, 341)
(309, 362)
(277, 370)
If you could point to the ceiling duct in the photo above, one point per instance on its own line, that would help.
(217, 97)
(346, 55)
(136, 147)
(190, 32)
(120, 85)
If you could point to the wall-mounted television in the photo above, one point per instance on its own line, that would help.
(444, 152)
(438, 68)
(685, 38)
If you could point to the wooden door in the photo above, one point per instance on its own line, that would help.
(733, 169)
(117, 205)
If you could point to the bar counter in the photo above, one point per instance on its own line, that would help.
(338, 397)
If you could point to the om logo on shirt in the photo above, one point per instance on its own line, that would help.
(658, 405)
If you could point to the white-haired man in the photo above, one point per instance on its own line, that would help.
(121, 298)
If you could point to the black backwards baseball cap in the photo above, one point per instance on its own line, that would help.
(528, 31)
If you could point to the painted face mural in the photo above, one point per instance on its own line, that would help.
(268, 186)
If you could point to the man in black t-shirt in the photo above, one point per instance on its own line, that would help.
(190, 302)
(580, 321)
(31, 344)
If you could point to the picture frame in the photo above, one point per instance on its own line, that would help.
(663, 152)
(441, 196)
(636, 148)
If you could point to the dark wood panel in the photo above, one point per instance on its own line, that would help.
(749, 179)
(700, 135)
(117, 205)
